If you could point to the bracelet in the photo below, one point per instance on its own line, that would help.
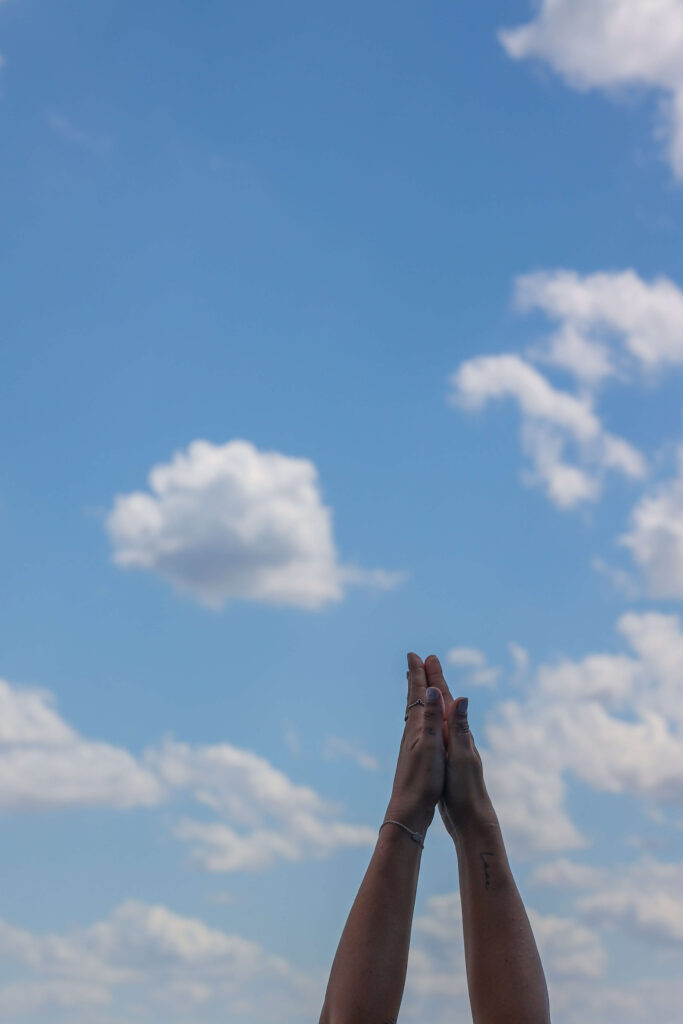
(413, 835)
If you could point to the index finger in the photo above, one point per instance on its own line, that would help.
(417, 679)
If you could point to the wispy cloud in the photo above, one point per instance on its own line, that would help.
(67, 131)
(474, 666)
(336, 747)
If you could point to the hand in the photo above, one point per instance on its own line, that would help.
(420, 771)
(465, 802)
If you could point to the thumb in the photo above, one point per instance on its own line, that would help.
(458, 725)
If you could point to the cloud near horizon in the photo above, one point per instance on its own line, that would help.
(261, 816)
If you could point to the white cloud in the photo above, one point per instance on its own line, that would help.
(475, 666)
(655, 538)
(608, 322)
(612, 721)
(44, 763)
(145, 962)
(230, 522)
(607, 325)
(551, 419)
(643, 898)
(279, 819)
(567, 948)
(530, 801)
(575, 1001)
(335, 747)
(520, 658)
(262, 815)
(612, 44)
(564, 873)
(622, 581)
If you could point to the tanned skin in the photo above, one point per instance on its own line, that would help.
(438, 764)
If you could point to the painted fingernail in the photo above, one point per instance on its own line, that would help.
(432, 694)
(462, 706)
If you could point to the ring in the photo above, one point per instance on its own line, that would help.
(418, 701)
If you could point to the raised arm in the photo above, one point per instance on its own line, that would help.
(369, 970)
(504, 972)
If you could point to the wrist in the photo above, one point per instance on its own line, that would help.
(482, 828)
(418, 819)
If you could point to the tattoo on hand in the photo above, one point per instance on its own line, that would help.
(487, 876)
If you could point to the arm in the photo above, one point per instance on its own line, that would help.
(369, 970)
(504, 972)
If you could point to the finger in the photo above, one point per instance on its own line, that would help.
(417, 681)
(435, 677)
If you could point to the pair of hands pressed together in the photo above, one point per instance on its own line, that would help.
(438, 761)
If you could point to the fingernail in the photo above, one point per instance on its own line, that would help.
(462, 706)
(432, 694)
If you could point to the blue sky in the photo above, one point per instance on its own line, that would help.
(372, 259)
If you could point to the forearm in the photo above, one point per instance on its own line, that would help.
(504, 972)
(369, 970)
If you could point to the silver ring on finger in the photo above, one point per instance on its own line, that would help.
(418, 701)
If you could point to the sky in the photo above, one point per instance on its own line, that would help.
(332, 332)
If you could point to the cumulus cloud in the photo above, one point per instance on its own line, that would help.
(609, 45)
(44, 763)
(612, 721)
(655, 538)
(144, 962)
(608, 323)
(551, 419)
(277, 819)
(227, 522)
(473, 663)
(261, 815)
(642, 898)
